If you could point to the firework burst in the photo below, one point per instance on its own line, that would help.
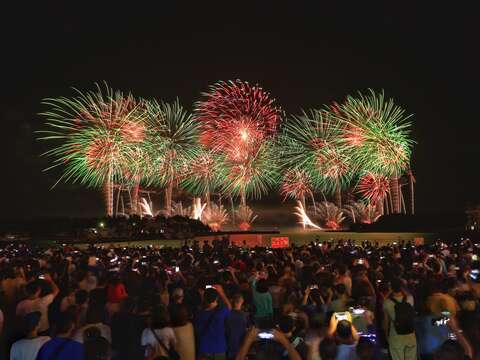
(253, 176)
(328, 215)
(203, 174)
(373, 187)
(170, 146)
(215, 216)
(362, 212)
(99, 134)
(235, 113)
(245, 217)
(311, 145)
(296, 185)
(376, 133)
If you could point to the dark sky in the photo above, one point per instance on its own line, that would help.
(425, 55)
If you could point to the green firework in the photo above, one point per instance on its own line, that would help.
(97, 136)
(310, 144)
(376, 133)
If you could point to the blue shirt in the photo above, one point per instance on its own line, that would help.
(210, 330)
(66, 349)
(429, 336)
(236, 328)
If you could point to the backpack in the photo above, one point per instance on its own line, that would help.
(404, 316)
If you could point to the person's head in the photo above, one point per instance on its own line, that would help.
(262, 286)
(177, 296)
(210, 297)
(81, 297)
(33, 289)
(179, 316)
(450, 350)
(96, 346)
(340, 289)
(65, 324)
(396, 285)
(31, 322)
(344, 330)
(160, 318)
(342, 269)
(365, 349)
(237, 301)
(328, 349)
(286, 324)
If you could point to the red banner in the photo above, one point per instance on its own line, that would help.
(280, 242)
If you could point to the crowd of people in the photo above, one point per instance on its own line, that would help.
(325, 300)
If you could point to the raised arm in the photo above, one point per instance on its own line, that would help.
(224, 297)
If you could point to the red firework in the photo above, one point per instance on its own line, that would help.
(296, 184)
(236, 115)
(373, 187)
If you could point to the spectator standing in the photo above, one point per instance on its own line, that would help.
(28, 347)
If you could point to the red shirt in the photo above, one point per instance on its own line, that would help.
(116, 293)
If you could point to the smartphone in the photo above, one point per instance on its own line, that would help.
(474, 274)
(341, 315)
(208, 287)
(475, 257)
(358, 311)
(216, 262)
(42, 277)
(443, 320)
(177, 269)
(265, 335)
(371, 337)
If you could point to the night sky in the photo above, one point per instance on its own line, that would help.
(424, 55)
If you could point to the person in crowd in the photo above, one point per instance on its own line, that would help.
(330, 297)
(341, 301)
(267, 352)
(439, 300)
(262, 299)
(342, 277)
(286, 325)
(345, 335)
(115, 294)
(62, 346)
(327, 350)
(27, 348)
(127, 326)
(36, 302)
(401, 336)
(236, 326)
(94, 318)
(159, 337)
(184, 333)
(365, 349)
(96, 346)
(210, 324)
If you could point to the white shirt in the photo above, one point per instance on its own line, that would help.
(166, 336)
(389, 308)
(27, 349)
(41, 304)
